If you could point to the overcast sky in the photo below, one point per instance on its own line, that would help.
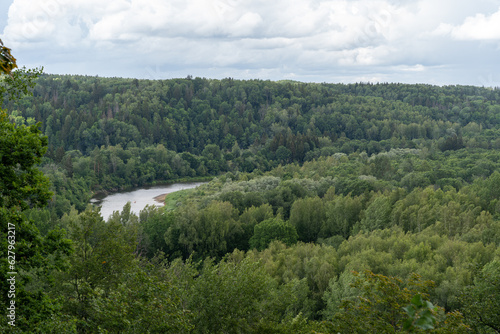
(413, 41)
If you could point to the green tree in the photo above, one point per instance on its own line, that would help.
(273, 229)
(481, 301)
(308, 216)
(341, 215)
(283, 154)
(228, 297)
(420, 314)
(104, 253)
(248, 219)
(22, 184)
(339, 289)
(377, 215)
(23, 250)
(316, 264)
(381, 306)
(212, 231)
(154, 222)
(144, 302)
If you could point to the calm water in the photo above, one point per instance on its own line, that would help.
(138, 198)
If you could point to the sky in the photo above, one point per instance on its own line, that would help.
(439, 42)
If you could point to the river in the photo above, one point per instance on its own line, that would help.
(138, 198)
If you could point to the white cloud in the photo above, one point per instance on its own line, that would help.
(414, 68)
(477, 27)
(303, 39)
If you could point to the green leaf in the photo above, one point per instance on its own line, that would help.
(417, 301)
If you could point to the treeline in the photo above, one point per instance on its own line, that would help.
(186, 115)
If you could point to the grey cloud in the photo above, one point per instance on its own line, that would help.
(310, 40)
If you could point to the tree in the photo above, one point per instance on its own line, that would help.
(339, 289)
(283, 154)
(22, 184)
(228, 297)
(308, 216)
(27, 259)
(144, 303)
(420, 314)
(481, 301)
(248, 219)
(273, 229)
(386, 304)
(104, 253)
(154, 222)
(212, 231)
(341, 215)
(377, 214)
(15, 83)
(7, 60)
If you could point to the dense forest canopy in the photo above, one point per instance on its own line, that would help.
(186, 115)
(331, 207)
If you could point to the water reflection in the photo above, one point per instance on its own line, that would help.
(138, 198)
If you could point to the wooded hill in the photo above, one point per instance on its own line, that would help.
(332, 208)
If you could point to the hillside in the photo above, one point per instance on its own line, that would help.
(330, 206)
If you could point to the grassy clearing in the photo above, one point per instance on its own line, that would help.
(172, 199)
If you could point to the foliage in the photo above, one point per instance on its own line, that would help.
(420, 314)
(480, 300)
(379, 307)
(117, 133)
(142, 303)
(31, 259)
(308, 215)
(7, 60)
(272, 229)
(310, 183)
(21, 149)
(103, 254)
(224, 285)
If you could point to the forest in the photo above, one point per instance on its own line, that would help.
(330, 208)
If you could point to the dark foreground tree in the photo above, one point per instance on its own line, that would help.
(481, 301)
(382, 304)
(27, 260)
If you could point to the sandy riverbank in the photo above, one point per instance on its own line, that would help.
(160, 198)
